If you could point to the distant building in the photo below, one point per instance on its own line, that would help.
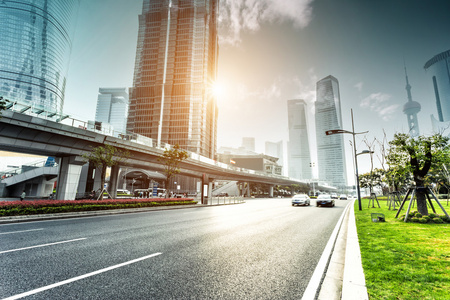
(330, 148)
(248, 143)
(112, 108)
(257, 162)
(35, 45)
(438, 68)
(171, 100)
(411, 109)
(299, 156)
(275, 150)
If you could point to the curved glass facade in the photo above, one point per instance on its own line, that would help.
(330, 149)
(438, 68)
(35, 46)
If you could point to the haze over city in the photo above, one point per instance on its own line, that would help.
(272, 51)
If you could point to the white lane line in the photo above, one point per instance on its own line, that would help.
(21, 231)
(48, 287)
(44, 245)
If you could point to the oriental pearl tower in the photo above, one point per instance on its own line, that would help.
(410, 109)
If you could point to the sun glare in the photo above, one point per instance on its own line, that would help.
(217, 89)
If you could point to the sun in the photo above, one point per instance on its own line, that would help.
(217, 89)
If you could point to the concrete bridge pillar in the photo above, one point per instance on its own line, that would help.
(207, 187)
(68, 177)
(245, 189)
(271, 191)
(113, 181)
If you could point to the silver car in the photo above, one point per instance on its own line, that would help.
(301, 199)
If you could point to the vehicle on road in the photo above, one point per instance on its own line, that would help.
(301, 199)
(343, 197)
(325, 200)
(334, 196)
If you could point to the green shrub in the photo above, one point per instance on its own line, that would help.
(433, 216)
(438, 221)
(425, 219)
(415, 220)
(418, 215)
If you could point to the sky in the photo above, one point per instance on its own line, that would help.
(275, 50)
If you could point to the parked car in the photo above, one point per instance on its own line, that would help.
(301, 199)
(324, 199)
(343, 197)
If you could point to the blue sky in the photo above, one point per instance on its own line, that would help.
(275, 50)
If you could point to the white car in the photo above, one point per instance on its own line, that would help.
(343, 197)
(301, 199)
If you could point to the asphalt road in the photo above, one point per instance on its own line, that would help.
(262, 249)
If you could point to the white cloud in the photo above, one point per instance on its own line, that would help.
(379, 103)
(236, 16)
(359, 86)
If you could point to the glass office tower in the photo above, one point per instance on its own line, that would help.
(438, 68)
(330, 148)
(112, 108)
(299, 160)
(34, 51)
(171, 100)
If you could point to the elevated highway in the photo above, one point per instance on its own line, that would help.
(69, 140)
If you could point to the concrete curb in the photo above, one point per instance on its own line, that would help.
(343, 279)
(96, 213)
(354, 283)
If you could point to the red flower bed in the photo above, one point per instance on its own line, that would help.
(53, 203)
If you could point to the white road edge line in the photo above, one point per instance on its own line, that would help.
(316, 278)
(11, 232)
(44, 245)
(48, 287)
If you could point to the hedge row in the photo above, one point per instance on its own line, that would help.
(16, 208)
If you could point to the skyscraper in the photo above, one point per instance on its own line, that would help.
(438, 68)
(171, 100)
(276, 150)
(248, 143)
(112, 108)
(299, 156)
(410, 109)
(330, 148)
(35, 45)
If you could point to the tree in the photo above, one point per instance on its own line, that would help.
(103, 157)
(2, 105)
(372, 179)
(171, 158)
(417, 156)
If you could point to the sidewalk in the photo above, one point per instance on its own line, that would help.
(344, 278)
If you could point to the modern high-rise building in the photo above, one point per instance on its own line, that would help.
(275, 150)
(248, 143)
(411, 109)
(299, 156)
(330, 148)
(438, 68)
(171, 100)
(35, 44)
(112, 108)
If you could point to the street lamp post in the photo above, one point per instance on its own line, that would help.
(338, 131)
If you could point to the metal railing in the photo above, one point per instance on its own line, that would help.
(43, 162)
(217, 200)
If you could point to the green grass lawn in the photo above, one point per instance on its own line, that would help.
(404, 260)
